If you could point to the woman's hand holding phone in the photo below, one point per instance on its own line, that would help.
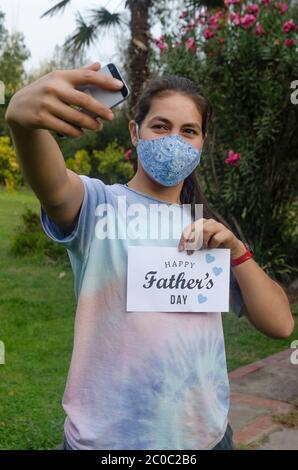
(48, 102)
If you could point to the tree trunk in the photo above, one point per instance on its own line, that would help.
(138, 53)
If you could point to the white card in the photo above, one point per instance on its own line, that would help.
(162, 279)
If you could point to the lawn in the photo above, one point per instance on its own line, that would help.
(36, 326)
(36, 322)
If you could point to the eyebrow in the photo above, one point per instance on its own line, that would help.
(189, 124)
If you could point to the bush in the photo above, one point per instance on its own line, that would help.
(245, 59)
(116, 129)
(29, 239)
(112, 166)
(80, 163)
(10, 174)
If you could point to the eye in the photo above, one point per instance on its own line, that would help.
(158, 126)
(192, 131)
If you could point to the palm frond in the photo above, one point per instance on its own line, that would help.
(104, 19)
(59, 7)
(83, 36)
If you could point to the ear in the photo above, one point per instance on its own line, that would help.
(132, 131)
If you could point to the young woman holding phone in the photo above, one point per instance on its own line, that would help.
(141, 380)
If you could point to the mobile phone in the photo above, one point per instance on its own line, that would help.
(108, 97)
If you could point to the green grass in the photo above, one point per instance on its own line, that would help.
(245, 344)
(36, 325)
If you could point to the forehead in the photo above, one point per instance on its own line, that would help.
(176, 108)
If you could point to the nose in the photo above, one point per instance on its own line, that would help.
(175, 131)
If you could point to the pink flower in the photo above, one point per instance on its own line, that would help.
(260, 30)
(214, 19)
(231, 2)
(160, 43)
(289, 42)
(289, 26)
(208, 33)
(161, 46)
(191, 44)
(266, 2)
(235, 19)
(247, 20)
(282, 7)
(128, 154)
(219, 14)
(213, 22)
(232, 158)
(253, 8)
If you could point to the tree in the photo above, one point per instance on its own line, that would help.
(13, 54)
(100, 20)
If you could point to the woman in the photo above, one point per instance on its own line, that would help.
(137, 380)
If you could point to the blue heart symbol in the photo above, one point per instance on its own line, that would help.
(201, 298)
(216, 270)
(210, 258)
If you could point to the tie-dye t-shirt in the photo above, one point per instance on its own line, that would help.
(137, 380)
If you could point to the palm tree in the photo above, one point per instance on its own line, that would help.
(100, 20)
(205, 3)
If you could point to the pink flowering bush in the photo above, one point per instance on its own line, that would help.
(233, 158)
(289, 26)
(244, 57)
(160, 43)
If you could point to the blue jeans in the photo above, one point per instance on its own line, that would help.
(227, 441)
(225, 444)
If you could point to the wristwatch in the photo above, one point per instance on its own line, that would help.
(247, 255)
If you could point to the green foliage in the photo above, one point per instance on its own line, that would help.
(29, 239)
(116, 129)
(10, 174)
(112, 167)
(247, 76)
(106, 162)
(80, 163)
(13, 54)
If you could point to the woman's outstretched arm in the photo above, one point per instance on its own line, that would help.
(45, 105)
(267, 305)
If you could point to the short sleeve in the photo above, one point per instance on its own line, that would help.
(236, 299)
(78, 241)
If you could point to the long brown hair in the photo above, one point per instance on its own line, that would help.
(191, 192)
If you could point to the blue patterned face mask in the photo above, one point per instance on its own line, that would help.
(167, 160)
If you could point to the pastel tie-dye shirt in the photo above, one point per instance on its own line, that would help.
(137, 380)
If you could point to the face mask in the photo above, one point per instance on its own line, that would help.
(167, 160)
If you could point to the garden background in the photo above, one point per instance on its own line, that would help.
(243, 54)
